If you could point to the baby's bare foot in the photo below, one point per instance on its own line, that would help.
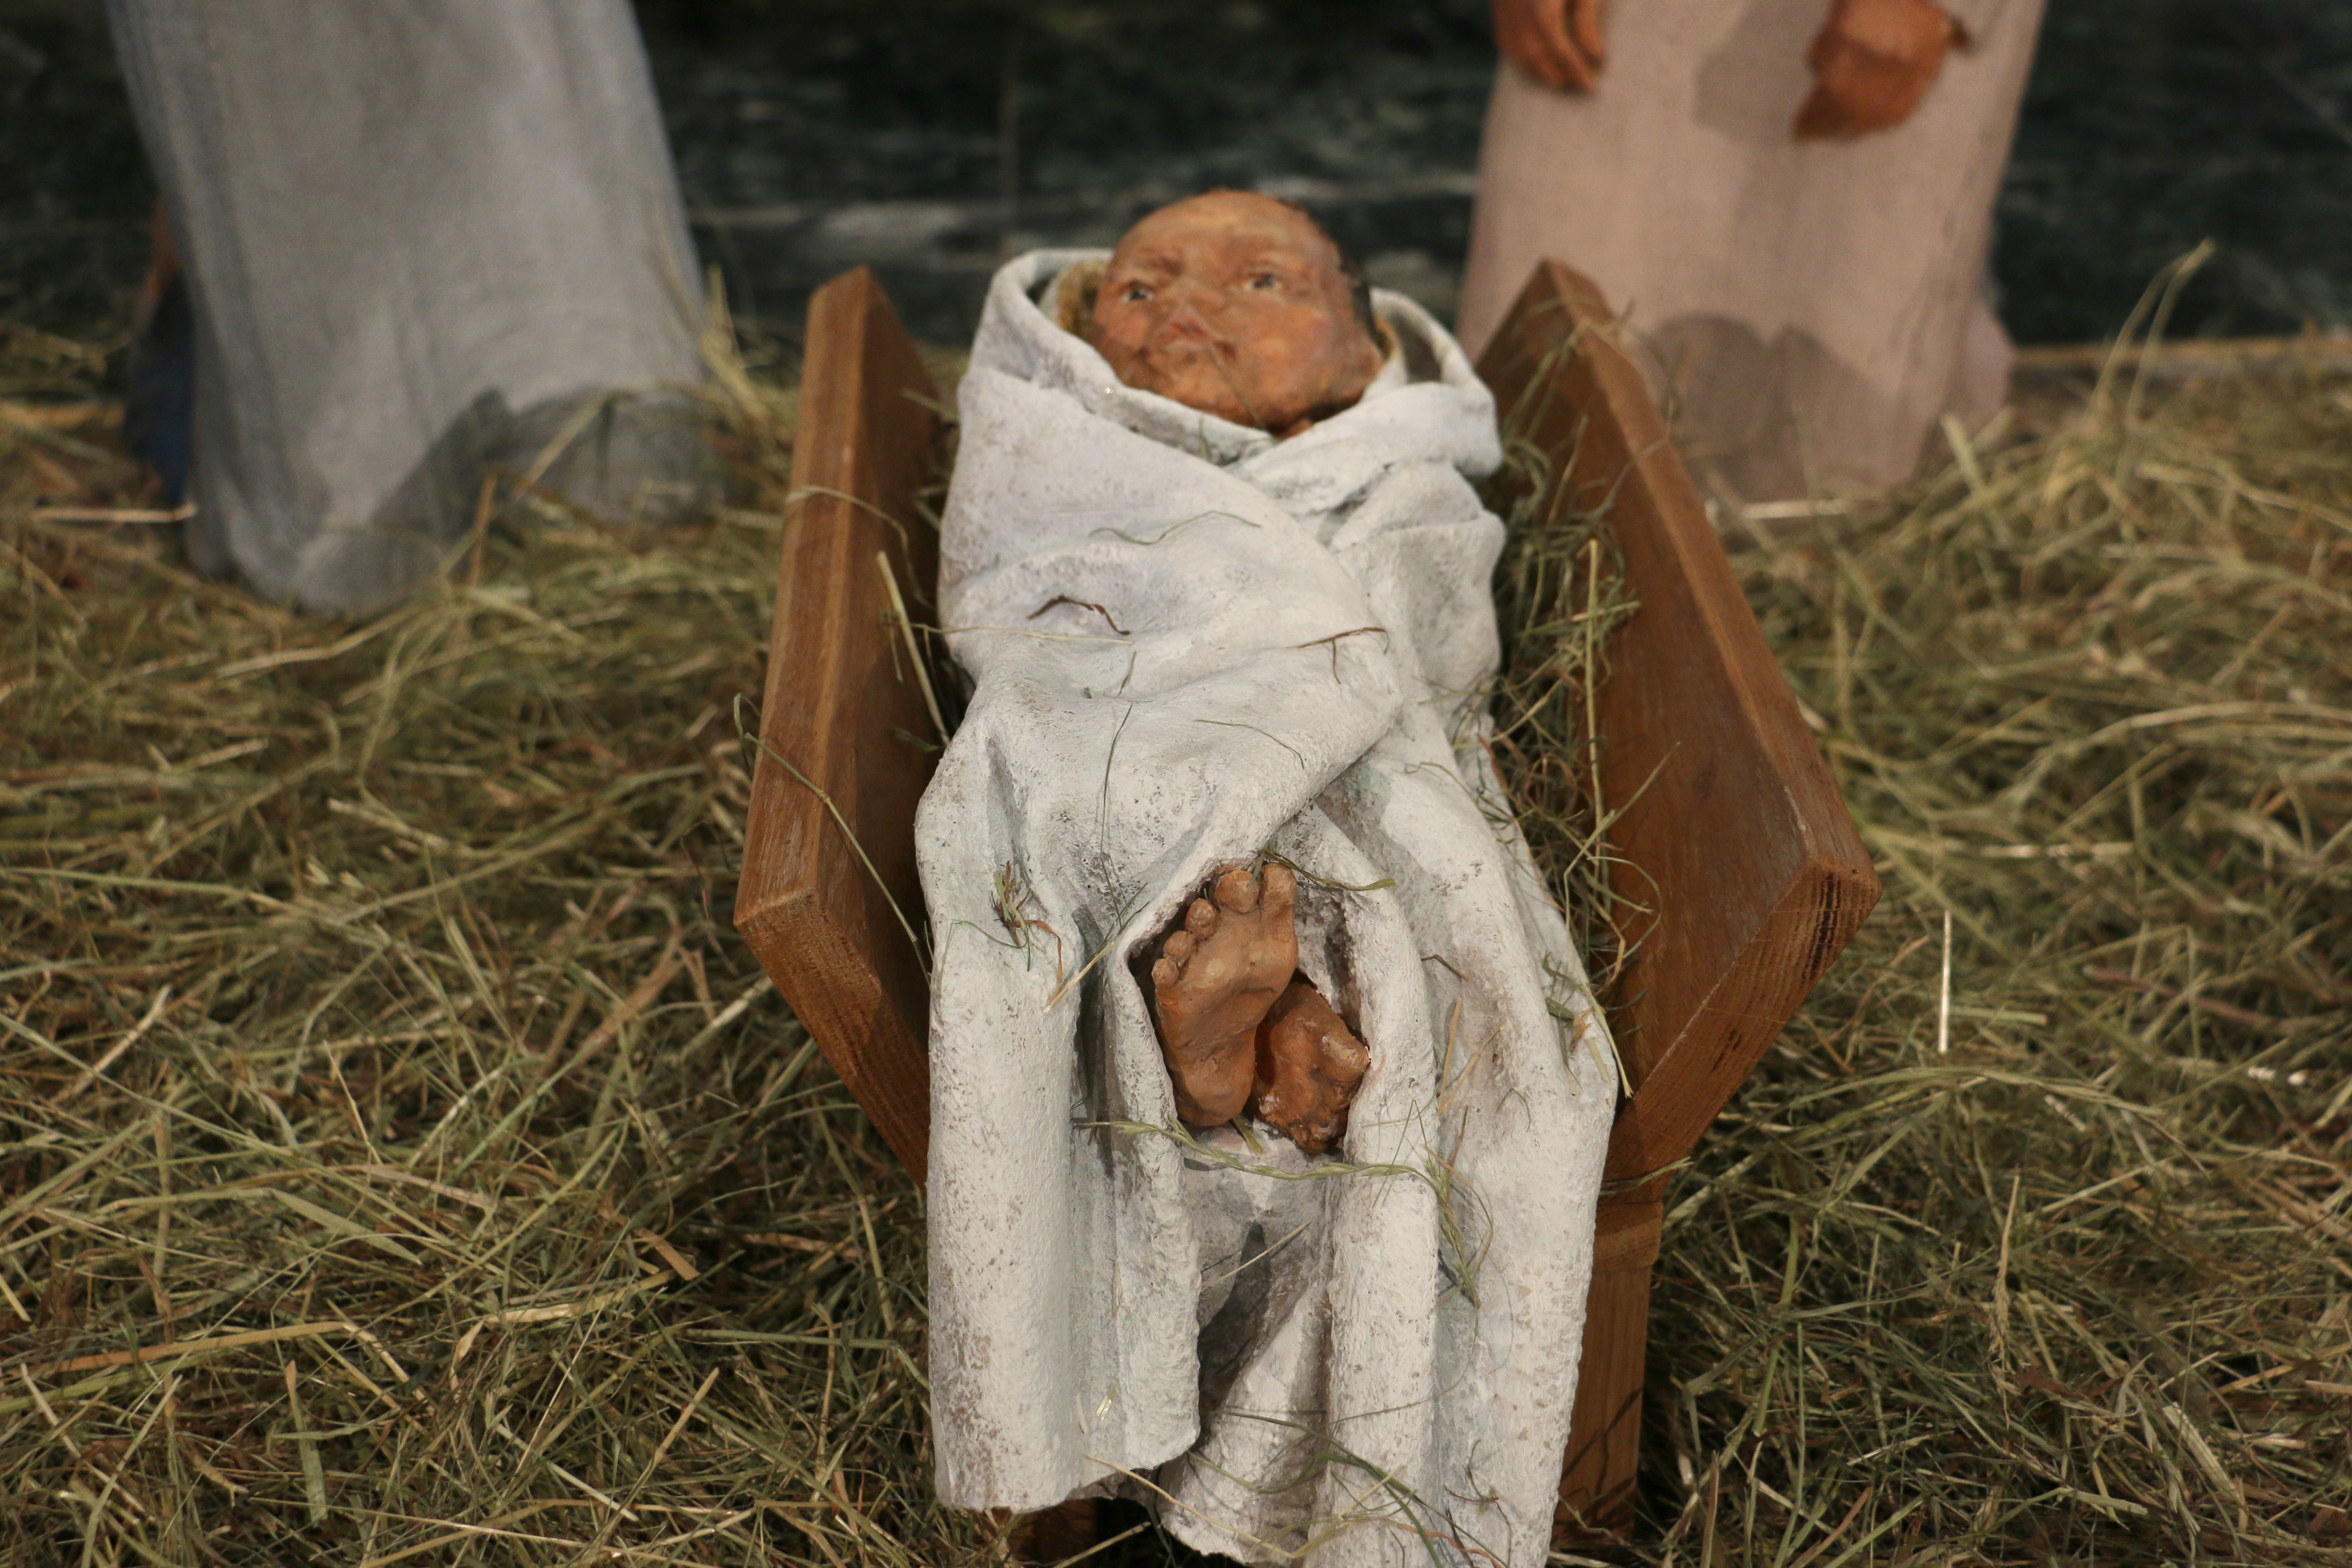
(1309, 1065)
(1213, 984)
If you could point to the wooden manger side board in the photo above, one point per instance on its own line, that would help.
(829, 898)
(1733, 833)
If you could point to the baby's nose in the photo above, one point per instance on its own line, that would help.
(1186, 324)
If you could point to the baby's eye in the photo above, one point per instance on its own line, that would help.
(1136, 293)
(1265, 280)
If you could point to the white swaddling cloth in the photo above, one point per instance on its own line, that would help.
(1190, 643)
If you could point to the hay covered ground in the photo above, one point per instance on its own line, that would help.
(400, 1161)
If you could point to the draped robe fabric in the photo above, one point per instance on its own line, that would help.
(422, 240)
(1812, 310)
(1189, 643)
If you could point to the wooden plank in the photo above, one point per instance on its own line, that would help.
(1734, 833)
(1731, 832)
(1605, 1434)
(829, 891)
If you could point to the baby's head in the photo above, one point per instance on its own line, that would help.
(1238, 305)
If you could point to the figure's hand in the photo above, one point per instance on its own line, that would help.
(1558, 42)
(1872, 63)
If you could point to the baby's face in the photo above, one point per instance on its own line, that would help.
(1234, 304)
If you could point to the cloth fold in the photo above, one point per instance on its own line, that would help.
(1975, 17)
(422, 240)
(1190, 644)
(1812, 310)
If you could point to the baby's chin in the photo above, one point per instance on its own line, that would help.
(1199, 387)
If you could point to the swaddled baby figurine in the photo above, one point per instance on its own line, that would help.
(1268, 1102)
(1240, 306)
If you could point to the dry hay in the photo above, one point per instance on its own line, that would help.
(401, 1157)
(453, 1188)
(2052, 1261)
(1559, 596)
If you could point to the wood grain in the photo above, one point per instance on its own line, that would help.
(1731, 829)
(1734, 833)
(1605, 1437)
(829, 886)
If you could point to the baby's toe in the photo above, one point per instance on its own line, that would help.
(1281, 889)
(1199, 920)
(1346, 1058)
(1166, 971)
(1237, 891)
(1178, 946)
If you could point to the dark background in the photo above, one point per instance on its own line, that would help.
(814, 133)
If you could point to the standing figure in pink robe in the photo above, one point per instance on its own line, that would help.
(1791, 201)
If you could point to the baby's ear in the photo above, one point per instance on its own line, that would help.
(1073, 298)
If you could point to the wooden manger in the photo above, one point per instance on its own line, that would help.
(1734, 835)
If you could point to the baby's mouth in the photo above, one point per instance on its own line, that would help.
(1219, 370)
(1176, 345)
(1186, 331)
